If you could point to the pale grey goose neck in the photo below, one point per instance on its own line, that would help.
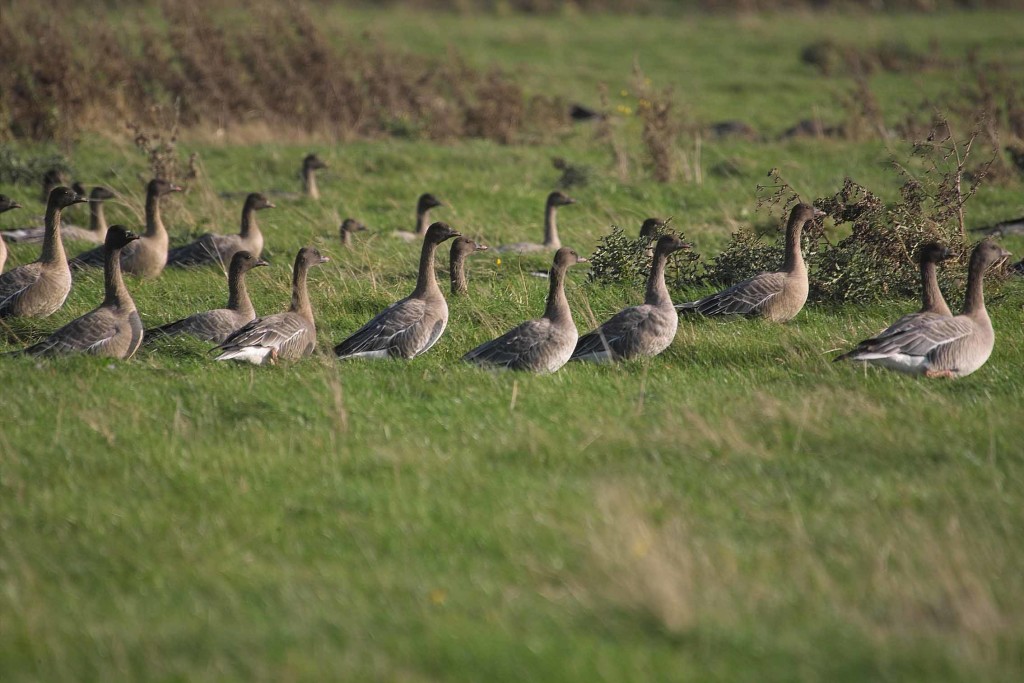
(95, 233)
(542, 345)
(408, 327)
(644, 330)
(310, 165)
(6, 204)
(219, 249)
(349, 226)
(424, 204)
(290, 335)
(218, 324)
(938, 346)
(39, 289)
(551, 240)
(113, 329)
(775, 296)
(146, 256)
(461, 248)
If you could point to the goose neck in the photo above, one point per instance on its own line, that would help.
(114, 291)
(931, 295)
(657, 292)
(309, 183)
(551, 240)
(974, 301)
(422, 221)
(425, 280)
(300, 293)
(794, 256)
(457, 272)
(154, 223)
(97, 217)
(557, 309)
(238, 292)
(53, 245)
(249, 226)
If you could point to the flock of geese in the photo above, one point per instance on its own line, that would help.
(932, 341)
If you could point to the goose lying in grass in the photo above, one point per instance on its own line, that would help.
(644, 330)
(349, 226)
(938, 346)
(290, 335)
(932, 301)
(146, 256)
(551, 241)
(114, 328)
(408, 327)
(217, 325)
(775, 296)
(38, 289)
(219, 249)
(424, 204)
(95, 233)
(461, 248)
(6, 204)
(542, 345)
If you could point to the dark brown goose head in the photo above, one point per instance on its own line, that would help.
(349, 226)
(6, 203)
(310, 256)
(566, 257)
(158, 187)
(651, 226)
(464, 246)
(802, 213)
(426, 202)
(557, 198)
(312, 163)
(933, 252)
(256, 202)
(987, 254)
(62, 197)
(439, 232)
(118, 237)
(670, 243)
(100, 194)
(243, 261)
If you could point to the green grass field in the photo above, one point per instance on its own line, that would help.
(739, 508)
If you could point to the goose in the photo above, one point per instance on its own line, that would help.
(290, 335)
(551, 241)
(936, 346)
(212, 248)
(1012, 226)
(310, 165)
(644, 330)
(113, 329)
(775, 296)
(52, 179)
(218, 324)
(146, 256)
(932, 301)
(408, 327)
(461, 248)
(6, 204)
(38, 289)
(650, 228)
(424, 204)
(95, 233)
(349, 226)
(542, 345)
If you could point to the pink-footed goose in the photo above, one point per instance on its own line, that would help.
(349, 226)
(542, 345)
(6, 204)
(38, 289)
(424, 204)
(310, 165)
(113, 329)
(146, 256)
(551, 241)
(932, 301)
(775, 296)
(644, 330)
(937, 346)
(219, 249)
(461, 248)
(408, 327)
(290, 335)
(95, 233)
(217, 325)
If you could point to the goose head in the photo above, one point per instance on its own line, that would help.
(427, 201)
(566, 257)
(933, 252)
(670, 243)
(557, 198)
(463, 246)
(311, 256)
(51, 179)
(650, 228)
(988, 253)
(802, 213)
(350, 225)
(257, 201)
(439, 232)
(118, 236)
(312, 163)
(61, 197)
(100, 194)
(244, 261)
(159, 187)
(6, 203)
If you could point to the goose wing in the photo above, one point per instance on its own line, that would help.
(92, 258)
(29, 234)
(209, 248)
(92, 333)
(616, 335)
(215, 326)
(744, 298)
(14, 282)
(287, 333)
(521, 346)
(386, 331)
(915, 341)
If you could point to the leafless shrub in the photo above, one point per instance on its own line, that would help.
(624, 260)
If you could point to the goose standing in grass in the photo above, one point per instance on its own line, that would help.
(146, 256)
(6, 204)
(38, 289)
(775, 296)
(932, 301)
(218, 324)
(290, 335)
(219, 249)
(349, 226)
(114, 329)
(938, 346)
(95, 233)
(409, 327)
(551, 241)
(644, 330)
(542, 345)
(424, 204)
(310, 165)
(461, 248)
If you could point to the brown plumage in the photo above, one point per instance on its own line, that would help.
(551, 241)
(461, 248)
(114, 328)
(6, 204)
(39, 289)
(219, 249)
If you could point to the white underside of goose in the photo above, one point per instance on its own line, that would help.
(597, 357)
(257, 355)
(900, 362)
(381, 354)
